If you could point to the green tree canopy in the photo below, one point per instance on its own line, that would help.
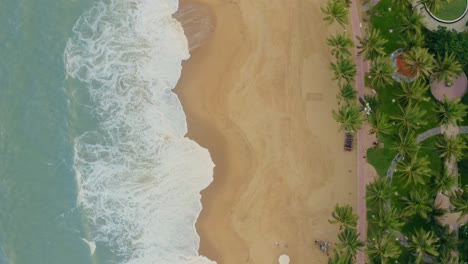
(349, 242)
(445, 41)
(449, 146)
(343, 69)
(423, 242)
(411, 93)
(372, 46)
(419, 61)
(340, 45)
(414, 170)
(410, 118)
(381, 72)
(379, 192)
(380, 124)
(383, 248)
(344, 216)
(446, 68)
(417, 202)
(336, 10)
(450, 112)
(349, 117)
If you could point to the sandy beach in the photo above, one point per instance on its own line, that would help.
(259, 95)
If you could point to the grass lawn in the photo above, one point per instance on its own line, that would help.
(452, 10)
(385, 20)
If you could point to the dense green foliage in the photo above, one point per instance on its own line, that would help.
(442, 41)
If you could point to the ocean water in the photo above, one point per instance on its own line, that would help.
(94, 163)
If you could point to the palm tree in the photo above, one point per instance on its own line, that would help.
(381, 72)
(344, 216)
(343, 69)
(347, 93)
(412, 92)
(411, 23)
(380, 124)
(405, 144)
(446, 68)
(336, 10)
(410, 118)
(388, 218)
(414, 170)
(444, 183)
(383, 247)
(372, 46)
(423, 242)
(340, 258)
(451, 111)
(450, 146)
(409, 42)
(349, 117)
(349, 241)
(403, 4)
(379, 192)
(419, 61)
(432, 5)
(446, 257)
(459, 199)
(340, 44)
(447, 239)
(417, 203)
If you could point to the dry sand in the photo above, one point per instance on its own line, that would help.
(258, 94)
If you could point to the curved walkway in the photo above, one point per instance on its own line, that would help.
(432, 24)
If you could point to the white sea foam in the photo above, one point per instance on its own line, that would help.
(139, 177)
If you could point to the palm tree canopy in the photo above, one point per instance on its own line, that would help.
(409, 42)
(343, 69)
(381, 72)
(338, 257)
(388, 218)
(344, 216)
(349, 241)
(417, 202)
(380, 124)
(411, 93)
(379, 192)
(419, 61)
(347, 93)
(341, 45)
(349, 117)
(451, 111)
(449, 146)
(414, 170)
(336, 10)
(423, 242)
(405, 143)
(383, 247)
(459, 199)
(410, 118)
(372, 46)
(446, 68)
(411, 23)
(444, 182)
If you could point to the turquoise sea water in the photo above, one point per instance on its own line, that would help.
(37, 184)
(92, 140)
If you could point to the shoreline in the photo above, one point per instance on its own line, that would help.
(265, 118)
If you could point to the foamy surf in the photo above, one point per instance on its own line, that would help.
(138, 176)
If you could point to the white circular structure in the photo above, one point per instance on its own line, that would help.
(284, 259)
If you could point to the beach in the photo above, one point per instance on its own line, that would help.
(259, 96)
